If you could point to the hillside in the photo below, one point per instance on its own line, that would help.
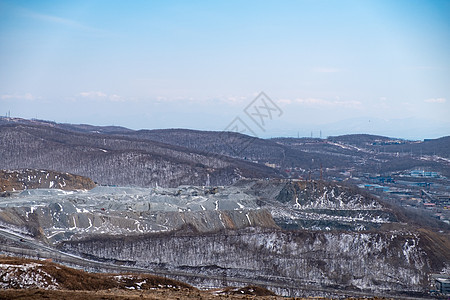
(16, 180)
(299, 216)
(302, 260)
(118, 160)
(299, 238)
(65, 126)
(225, 152)
(364, 153)
(55, 215)
(19, 273)
(439, 146)
(239, 145)
(43, 279)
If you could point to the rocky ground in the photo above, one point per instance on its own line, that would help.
(59, 214)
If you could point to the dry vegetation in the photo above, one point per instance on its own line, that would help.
(16, 180)
(73, 279)
(77, 284)
(121, 294)
(116, 294)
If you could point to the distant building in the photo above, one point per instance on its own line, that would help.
(422, 173)
(376, 187)
(442, 285)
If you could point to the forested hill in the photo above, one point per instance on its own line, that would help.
(169, 157)
(117, 159)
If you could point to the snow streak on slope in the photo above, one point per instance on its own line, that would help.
(116, 210)
(61, 214)
(357, 261)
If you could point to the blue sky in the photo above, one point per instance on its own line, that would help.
(341, 67)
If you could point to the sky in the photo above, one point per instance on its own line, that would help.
(325, 67)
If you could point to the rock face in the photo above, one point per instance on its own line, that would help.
(385, 262)
(59, 214)
(17, 180)
(249, 203)
(322, 205)
(321, 195)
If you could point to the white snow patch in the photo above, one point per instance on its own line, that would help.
(249, 222)
(28, 275)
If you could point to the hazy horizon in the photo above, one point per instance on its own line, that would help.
(313, 132)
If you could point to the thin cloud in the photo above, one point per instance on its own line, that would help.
(328, 103)
(228, 99)
(97, 95)
(236, 99)
(62, 21)
(58, 20)
(26, 96)
(436, 100)
(284, 101)
(93, 94)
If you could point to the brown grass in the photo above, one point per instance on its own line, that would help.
(73, 279)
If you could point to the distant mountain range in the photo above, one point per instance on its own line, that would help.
(170, 157)
(407, 128)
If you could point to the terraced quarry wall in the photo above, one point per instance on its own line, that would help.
(388, 262)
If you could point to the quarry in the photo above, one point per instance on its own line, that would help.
(295, 238)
